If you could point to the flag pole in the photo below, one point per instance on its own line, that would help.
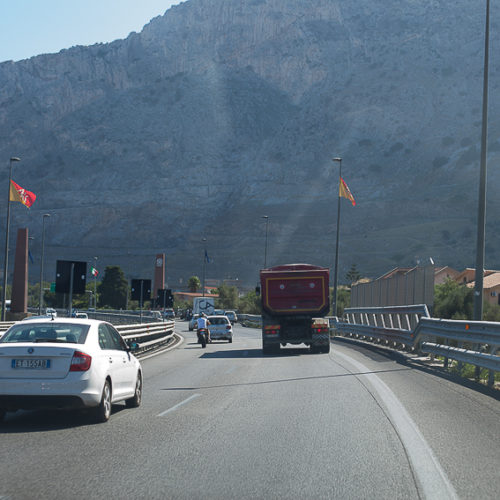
(6, 255)
(204, 262)
(40, 300)
(335, 272)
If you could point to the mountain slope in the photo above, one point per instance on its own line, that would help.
(220, 112)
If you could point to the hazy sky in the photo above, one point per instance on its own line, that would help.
(32, 27)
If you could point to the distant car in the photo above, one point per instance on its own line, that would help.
(67, 363)
(169, 314)
(51, 311)
(193, 323)
(219, 312)
(232, 317)
(220, 328)
(155, 314)
(77, 314)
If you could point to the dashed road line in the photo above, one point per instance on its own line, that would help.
(178, 405)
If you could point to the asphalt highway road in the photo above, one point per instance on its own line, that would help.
(225, 422)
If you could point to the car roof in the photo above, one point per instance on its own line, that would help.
(57, 320)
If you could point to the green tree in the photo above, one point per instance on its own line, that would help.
(343, 300)
(194, 284)
(491, 312)
(453, 301)
(353, 274)
(250, 304)
(228, 297)
(113, 289)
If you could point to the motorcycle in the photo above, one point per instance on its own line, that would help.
(202, 337)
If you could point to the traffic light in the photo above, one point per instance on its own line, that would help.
(165, 298)
(63, 276)
(136, 290)
(170, 298)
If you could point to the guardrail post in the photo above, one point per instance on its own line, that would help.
(491, 373)
(460, 364)
(445, 361)
(477, 370)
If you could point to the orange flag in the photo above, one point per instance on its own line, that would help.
(345, 192)
(17, 193)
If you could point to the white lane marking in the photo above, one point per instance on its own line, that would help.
(432, 479)
(178, 404)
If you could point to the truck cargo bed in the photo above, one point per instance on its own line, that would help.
(295, 289)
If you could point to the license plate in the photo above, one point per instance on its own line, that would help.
(31, 364)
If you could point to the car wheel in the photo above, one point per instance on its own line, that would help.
(230, 340)
(135, 401)
(103, 411)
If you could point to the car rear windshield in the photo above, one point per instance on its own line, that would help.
(217, 321)
(46, 332)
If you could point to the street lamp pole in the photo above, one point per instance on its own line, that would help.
(265, 246)
(335, 272)
(204, 263)
(95, 284)
(7, 227)
(40, 300)
(481, 217)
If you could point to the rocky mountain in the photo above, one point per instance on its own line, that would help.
(220, 112)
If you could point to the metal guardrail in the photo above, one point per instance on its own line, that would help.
(250, 320)
(473, 342)
(391, 324)
(4, 326)
(148, 336)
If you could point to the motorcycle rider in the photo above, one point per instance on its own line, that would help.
(202, 324)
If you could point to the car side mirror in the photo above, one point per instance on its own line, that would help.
(133, 346)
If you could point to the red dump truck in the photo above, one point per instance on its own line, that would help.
(295, 299)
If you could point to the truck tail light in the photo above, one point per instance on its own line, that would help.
(80, 362)
(272, 329)
(320, 329)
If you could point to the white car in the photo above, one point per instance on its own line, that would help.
(220, 328)
(232, 317)
(67, 363)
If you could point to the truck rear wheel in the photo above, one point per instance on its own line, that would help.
(317, 349)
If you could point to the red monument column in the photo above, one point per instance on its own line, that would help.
(159, 282)
(19, 303)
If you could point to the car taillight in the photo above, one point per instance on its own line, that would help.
(228, 327)
(80, 362)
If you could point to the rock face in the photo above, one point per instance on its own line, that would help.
(220, 112)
